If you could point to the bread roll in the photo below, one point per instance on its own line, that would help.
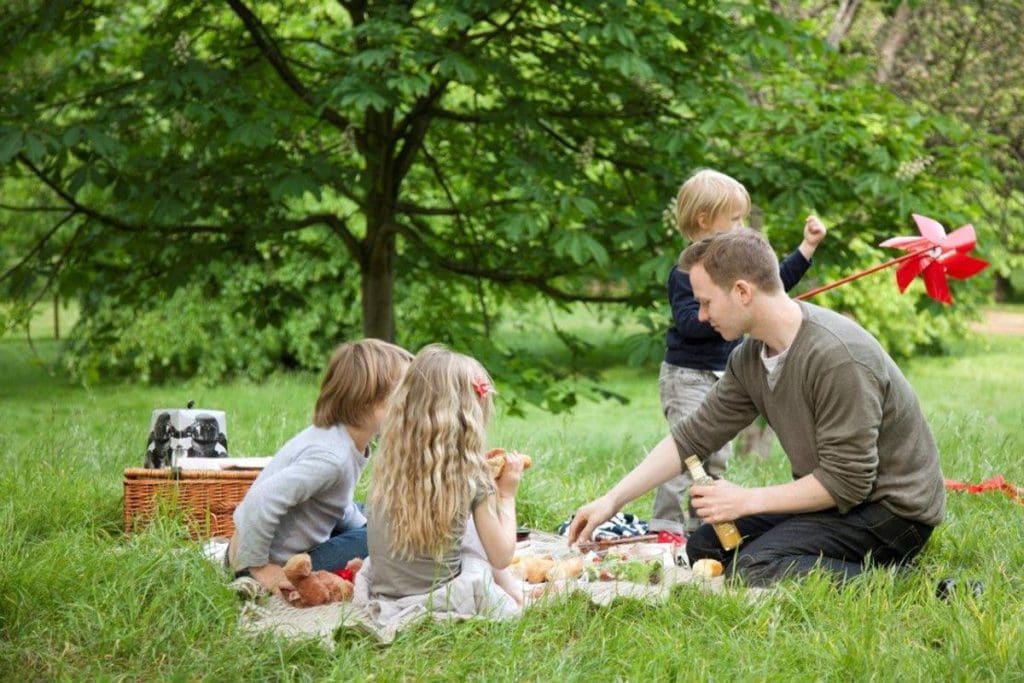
(535, 569)
(707, 568)
(496, 461)
(566, 569)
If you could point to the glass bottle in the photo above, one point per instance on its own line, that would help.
(728, 534)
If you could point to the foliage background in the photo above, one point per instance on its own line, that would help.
(231, 189)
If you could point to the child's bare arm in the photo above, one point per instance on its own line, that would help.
(511, 585)
(495, 518)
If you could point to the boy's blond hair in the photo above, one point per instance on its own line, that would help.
(360, 376)
(430, 464)
(710, 193)
(735, 255)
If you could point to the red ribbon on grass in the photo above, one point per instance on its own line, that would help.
(996, 483)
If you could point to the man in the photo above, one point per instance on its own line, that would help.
(867, 482)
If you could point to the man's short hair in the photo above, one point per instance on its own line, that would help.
(360, 376)
(735, 255)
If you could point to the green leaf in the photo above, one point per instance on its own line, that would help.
(454, 65)
(34, 148)
(362, 100)
(104, 145)
(10, 145)
(294, 185)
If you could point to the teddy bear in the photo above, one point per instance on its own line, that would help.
(319, 587)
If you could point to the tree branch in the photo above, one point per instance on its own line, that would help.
(58, 266)
(565, 142)
(418, 210)
(263, 40)
(38, 246)
(508, 276)
(32, 209)
(75, 206)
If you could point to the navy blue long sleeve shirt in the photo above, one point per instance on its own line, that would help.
(696, 345)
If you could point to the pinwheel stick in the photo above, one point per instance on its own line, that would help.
(873, 269)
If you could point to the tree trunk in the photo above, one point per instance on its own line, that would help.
(378, 285)
(896, 36)
(844, 20)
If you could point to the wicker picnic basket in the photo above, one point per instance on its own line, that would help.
(206, 498)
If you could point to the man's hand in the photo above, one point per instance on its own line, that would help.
(722, 501)
(589, 517)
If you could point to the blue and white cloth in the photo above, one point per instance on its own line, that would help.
(622, 525)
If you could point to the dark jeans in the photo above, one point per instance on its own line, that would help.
(777, 546)
(335, 552)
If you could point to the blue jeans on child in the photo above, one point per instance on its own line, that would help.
(778, 546)
(342, 546)
(335, 552)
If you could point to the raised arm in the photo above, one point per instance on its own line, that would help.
(495, 516)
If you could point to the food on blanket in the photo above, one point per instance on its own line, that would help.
(566, 569)
(532, 568)
(496, 461)
(319, 587)
(619, 568)
(707, 568)
(542, 568)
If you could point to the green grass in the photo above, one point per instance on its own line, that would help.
(80, 601)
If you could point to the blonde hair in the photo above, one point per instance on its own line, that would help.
(430, 463)
(710, 193)
(735, 255)
(359, 377)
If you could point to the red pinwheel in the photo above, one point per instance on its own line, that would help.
(940, 255)
(934, 255)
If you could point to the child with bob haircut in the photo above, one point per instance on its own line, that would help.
(709, 202)
(302, 501)
(435, 512)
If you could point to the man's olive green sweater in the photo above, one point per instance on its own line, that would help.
(843, 412)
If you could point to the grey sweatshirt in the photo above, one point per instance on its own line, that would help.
(843, 412)
(300, 498)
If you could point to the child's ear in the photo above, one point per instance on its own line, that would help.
(703, 220)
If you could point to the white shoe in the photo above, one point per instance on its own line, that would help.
(248, 588)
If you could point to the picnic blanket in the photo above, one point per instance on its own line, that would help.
(471, 595)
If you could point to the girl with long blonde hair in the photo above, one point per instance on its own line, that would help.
(432, 495)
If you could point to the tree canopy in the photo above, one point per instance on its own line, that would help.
(231, 187)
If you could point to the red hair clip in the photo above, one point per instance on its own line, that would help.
(482, 387)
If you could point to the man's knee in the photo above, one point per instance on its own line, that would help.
(756, 570)
(703, 544)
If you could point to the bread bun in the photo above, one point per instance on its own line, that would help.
(566, 569)
(707, 568)
(496, 461)
(534, 569)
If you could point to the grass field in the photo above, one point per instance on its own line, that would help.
(80, 601)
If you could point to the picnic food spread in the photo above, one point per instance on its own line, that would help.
(542, 568)
(620, 568)
(621, 565)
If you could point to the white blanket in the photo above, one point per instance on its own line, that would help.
(471, 595)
